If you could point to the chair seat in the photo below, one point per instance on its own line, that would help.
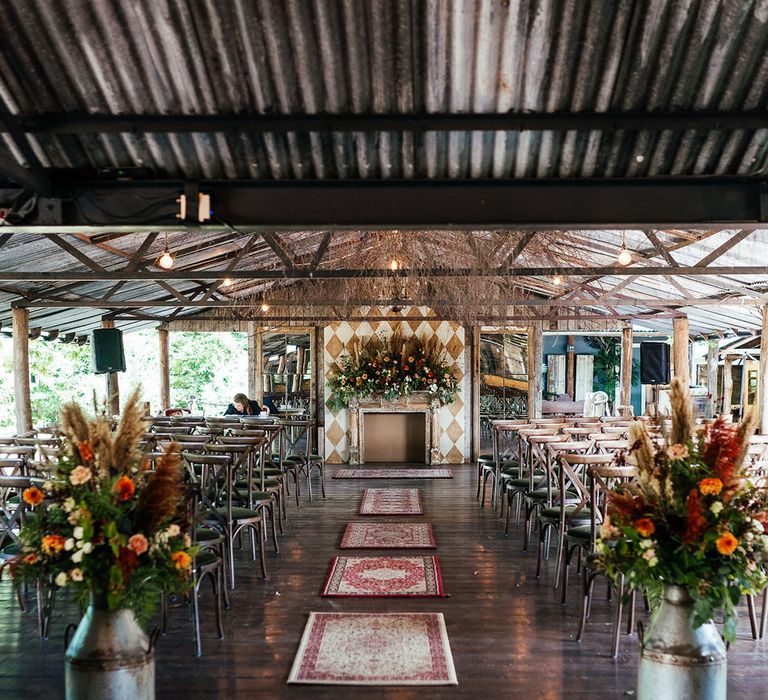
(553, 514)
(243, 484)
(315, 458)
(205, 558)
(206, 535)
(485, 457)
(580, 533)
(10, 551)
(238, 514)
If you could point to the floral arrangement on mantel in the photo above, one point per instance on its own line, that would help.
(105, 524)
(694, 518)
(394, 367)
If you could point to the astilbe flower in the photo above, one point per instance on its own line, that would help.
(721, 450)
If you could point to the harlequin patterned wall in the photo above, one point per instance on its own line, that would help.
(339, 336)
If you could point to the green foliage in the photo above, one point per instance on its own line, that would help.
(608, 364)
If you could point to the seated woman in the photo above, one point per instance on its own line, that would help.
(243, 406)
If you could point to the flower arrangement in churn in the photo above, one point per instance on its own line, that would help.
(104, 523)
(694, 518)
(393, 367)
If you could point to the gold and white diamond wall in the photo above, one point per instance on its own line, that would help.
(338, 337)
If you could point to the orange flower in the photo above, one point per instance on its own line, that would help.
(52, 544)
(645, 527)
(124, 488)
(33, 496)
(181, 559)
(85, 450)
(30, 558)
(726, 544)
(711, 486)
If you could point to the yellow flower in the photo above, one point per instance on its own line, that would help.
(33, 496)
(726, 544)
(181, 559)
(711, 486)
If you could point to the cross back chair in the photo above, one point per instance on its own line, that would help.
(301, 461)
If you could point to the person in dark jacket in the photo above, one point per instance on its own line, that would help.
(243, 406)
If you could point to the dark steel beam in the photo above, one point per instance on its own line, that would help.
(32, 176)
(351, 273)
(573, 203)
(73, 123)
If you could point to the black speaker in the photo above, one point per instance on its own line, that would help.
(107, 350)
(654, 363)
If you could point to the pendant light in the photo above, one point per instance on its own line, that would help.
(625, 256)
(166, 259)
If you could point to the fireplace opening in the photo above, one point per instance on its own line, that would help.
(394, 437)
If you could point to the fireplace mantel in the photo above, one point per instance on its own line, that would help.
(418, 402)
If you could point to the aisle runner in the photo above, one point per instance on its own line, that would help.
(393, 474)
(373, 577)
(391, 502)
(374, 649)
(388, 536)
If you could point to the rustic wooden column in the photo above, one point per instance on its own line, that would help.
(474, 365)
(21, 370)
(252, 362)
(712, 346)
(727, 384)
(625, 394)
(762, 375)
(535, 362)
(680, 349)
(113, 384)
(165, 368)
(258, 351)
(570, 374)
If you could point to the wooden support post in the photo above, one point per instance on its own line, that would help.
(625, 394)
(535, 363)
(571, 371)
(474, 377)
(165, 368)
(258, 351)
(21, 370)
(762, 375)
(680, 349)
(727, 385)
(113, 384)
(252, 361)
(712, 346)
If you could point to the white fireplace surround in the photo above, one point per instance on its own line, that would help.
(418, 402)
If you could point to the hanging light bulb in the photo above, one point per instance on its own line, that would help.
(394, 265)
(166, 259)
(624, 257)
(264, 307)
(557, 279)
(226, 282)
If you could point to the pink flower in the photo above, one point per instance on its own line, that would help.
(138, 543)
(80, 475)
(677, 451)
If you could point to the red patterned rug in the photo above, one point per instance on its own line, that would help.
(391, 502)
(375, 577)
(393, 474)
(374, 649)
(388, 536)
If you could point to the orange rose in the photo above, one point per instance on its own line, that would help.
(726, 544)
(711, 486)
(52, 544)
(32, 496)
(645, 527)
(85, 450)
(30, 558)
(181, 559)
(124, 488)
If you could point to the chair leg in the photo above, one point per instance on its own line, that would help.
(752, 615)
(231, 558)
(479, 479)
(588, 581)
(764, 613)
(631, 615)
(278, 503)
(262, 556)
(321, 466)
(559, 554)
(509, 510)
(274, 530)
(196, 616)
(568, 555)
(217, 581)
(617, 622)
(485, 486)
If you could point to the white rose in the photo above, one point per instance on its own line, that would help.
(87, 547)
(77, 557)
(174, 530)
(757, 526)
(61, 579)
(69, 544)
(716, 507)
(69, 504)
(77, 533)
(646, 543)
(749, 536)
(76, 574)
(74, 516)
(47, 486)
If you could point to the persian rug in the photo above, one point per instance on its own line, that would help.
(388, 536)
(374, 577)
(393, 474)
(374, 649)
(391, 502)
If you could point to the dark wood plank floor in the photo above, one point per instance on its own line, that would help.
(508, 633)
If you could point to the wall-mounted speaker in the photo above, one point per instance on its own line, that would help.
(654, 363)
(107, 350)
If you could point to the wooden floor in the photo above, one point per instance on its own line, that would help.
(509, 636)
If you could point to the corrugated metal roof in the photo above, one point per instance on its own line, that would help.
(383, 56)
